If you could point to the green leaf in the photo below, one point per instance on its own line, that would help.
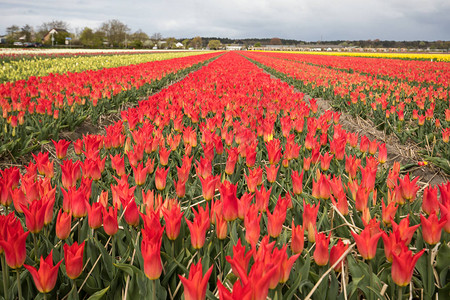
(129, 269)
(377, 292)
(443, 263)
(73, 294)
(107, 260)
(98, 295)
(444, 293)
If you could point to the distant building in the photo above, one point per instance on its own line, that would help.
(48, 36)
(235, 47)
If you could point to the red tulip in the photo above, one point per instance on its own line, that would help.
(286, 264)
(151, 246)
(393, 243)
(229, 200)
(252, 225)
(140, 174)
(335, 253)
(195, 285)
(309, 219)
(45, 278)
(110, 223)
(405, 232)
(204, 168)
(321, 254)
(172, 217)
(240, 261)
(250, 155)
(209, 186)
(388, 212)
(362, 197)
(14, 243)
(253, 179)
(34, 216)
(199, 227)
(271, 173)
(325, 161)
(403, 266)
(262, 197)
(180, 188)
(244, 204)
(297, 238)
(352, 165)
(183, 172)
(70, 173)
(118, 164)
(276, 219)
(160, 178)
(61, 148)
(445, 212)
(95, 217)
(341, 204)
(408, 188)
(231, 160)
(430, 202)
(382, 153)
(297, 182)
(164, 156)
(273, 151)
(307, 163)
(63, 224)
(73, 257)
(366, 242)
(131, 214)
(221, 227)
(432, 228)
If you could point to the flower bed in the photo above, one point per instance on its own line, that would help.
(225, 184)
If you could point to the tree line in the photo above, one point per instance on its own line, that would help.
(114, 33)
(110, 34)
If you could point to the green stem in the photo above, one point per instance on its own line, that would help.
(279, 292)
(113, 249)
(222, 257)
(400, 293)
(36, 247)
(74, 284)
(172, 246)
(370, 296)
(19, 287)
(5, 276)
(45, 296)
(79, 230)
(154, 289)
(430, 271)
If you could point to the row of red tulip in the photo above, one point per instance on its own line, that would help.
(428, 72)
(399, 107)
(40, 106)
(270, 155)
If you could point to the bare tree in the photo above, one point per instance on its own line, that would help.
(116, 32)
(27, 31)
(156, 37)
(57, 24)
(275, 41)
(197, 42)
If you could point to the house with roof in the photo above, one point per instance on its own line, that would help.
(53, 31)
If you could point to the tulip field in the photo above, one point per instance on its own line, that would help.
(218, 176)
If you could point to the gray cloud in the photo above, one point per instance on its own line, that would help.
(295, 19)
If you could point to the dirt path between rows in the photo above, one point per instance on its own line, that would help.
(404, 153)
(396, 151)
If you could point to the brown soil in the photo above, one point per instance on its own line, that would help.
(403, 153)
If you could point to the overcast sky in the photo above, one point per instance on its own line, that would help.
(308, 20)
